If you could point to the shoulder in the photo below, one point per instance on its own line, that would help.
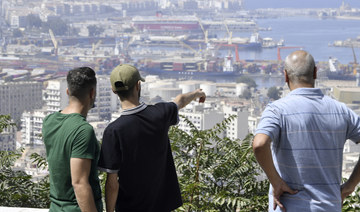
(116, 125)
(165, 105)
(51, 116)
(85, 130)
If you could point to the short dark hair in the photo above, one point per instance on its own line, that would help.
(80, 81)
(126, 93)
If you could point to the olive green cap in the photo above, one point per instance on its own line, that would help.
(124, 77)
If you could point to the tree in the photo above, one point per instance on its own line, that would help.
(34, 21)
(57, 25)
(17, 33)
(273, 93)
(17, 188)
(5, 121)
(247, 80)
(94, 30)
(216, 173)
(246, 94)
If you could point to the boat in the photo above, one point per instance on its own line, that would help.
(166, 23)
(191, 67)
(350, 42)
(270, 43)
(231, 25)
(336, 73)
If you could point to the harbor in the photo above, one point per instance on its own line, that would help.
(183, 44)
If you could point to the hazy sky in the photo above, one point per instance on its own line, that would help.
(254, 4)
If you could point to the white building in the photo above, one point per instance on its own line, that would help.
(238, 129)
(204, 117)
(253, 122)
(31, 125)
(201, 118)
(16, 97)
(55, 95)
(106, 101)
(55, 98)
(7, 139)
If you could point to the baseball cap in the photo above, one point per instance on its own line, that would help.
(124, 77)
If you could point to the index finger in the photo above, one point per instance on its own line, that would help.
(278, 203)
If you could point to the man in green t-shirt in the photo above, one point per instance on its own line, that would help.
(72, 149)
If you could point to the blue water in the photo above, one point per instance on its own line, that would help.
(313, 34)
(255, 4)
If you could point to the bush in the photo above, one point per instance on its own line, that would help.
(216, 173)
(17, 188)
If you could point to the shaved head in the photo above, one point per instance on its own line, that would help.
(300, 67)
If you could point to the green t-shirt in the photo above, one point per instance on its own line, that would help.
(69, 136)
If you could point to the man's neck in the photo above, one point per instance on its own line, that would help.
(299, 85)
(75, 107)
(129, 104)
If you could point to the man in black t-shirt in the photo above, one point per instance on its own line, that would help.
(136, 151)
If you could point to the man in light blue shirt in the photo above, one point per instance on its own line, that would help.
(299, 143)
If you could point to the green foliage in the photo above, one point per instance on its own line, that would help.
(94, 30)
(352, 202)
(217, 173)
(247, 80)
(39, 160)
(273, 93)
(17, 188)
(5, 121)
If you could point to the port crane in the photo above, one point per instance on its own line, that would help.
(95, 46)
(206, 40)
(355, 61)
(237, 58)
(229, 32)
(54, 41)
(187, 46)
(286, 47)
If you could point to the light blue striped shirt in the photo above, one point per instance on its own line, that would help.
(308, 131)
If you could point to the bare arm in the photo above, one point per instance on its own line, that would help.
(111, 191)
(184, 99)
(262, 151)
(80, 171)
(349, 186)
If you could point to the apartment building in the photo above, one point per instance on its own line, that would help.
(16, 97)
(31, 125)
(55, 95)
(7, 139)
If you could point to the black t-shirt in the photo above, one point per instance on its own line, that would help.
(137, 147)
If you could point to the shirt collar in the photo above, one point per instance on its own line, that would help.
(134, 110)
(307, 92)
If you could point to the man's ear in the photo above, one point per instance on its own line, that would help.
(138, 85)
(67, 91)
(92, 93)
(286, 76)
(315, 72)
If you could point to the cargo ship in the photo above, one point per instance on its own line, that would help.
(231, 25)
(160, 23)
(166, 23)
(191, 66)
(336, 71)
